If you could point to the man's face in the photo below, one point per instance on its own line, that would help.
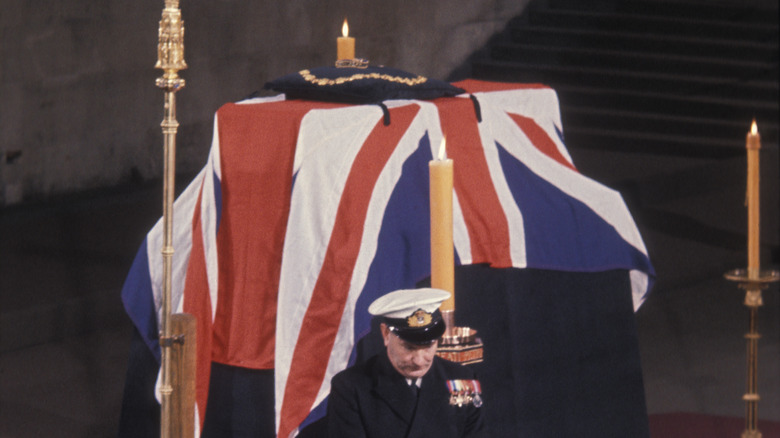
(410, 360)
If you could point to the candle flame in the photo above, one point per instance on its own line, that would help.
(443, 149)
(345, 29)
(754, 128)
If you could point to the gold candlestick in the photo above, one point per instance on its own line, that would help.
(753, 281)
(458, 344)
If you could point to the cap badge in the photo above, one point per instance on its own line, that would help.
(420, 318)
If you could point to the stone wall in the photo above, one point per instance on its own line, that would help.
(79, 109)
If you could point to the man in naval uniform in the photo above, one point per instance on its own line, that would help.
(406, 391)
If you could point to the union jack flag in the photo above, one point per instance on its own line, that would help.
(305, 212)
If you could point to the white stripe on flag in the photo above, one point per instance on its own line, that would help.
(540, 104)
(208, 217)
(491, 127)
(328, 142)
(426, 118)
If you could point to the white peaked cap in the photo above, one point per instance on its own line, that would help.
(404, 302)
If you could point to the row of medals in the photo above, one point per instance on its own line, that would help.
(461, 398)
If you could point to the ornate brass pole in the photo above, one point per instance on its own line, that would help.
(751, 396)
(170, 59)
(753, 285)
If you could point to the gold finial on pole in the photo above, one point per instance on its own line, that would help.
(170, 45)
(177, 416)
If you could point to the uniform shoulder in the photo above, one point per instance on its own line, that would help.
(356, 371)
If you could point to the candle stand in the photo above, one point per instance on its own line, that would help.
(753, 285)
(459, 344)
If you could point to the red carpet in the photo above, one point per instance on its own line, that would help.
(687, 425)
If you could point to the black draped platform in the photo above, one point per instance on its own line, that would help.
(561, 360)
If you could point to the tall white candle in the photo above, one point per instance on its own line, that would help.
(753, 145)
(442, 248)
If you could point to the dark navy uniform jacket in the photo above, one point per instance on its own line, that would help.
(373, 400)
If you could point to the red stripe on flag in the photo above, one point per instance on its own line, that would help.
(540, 139)
(257, 145)
(485, 219)
(198, 303)
(477, 86)
(323, 315)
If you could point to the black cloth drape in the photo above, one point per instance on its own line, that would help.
(561, 360)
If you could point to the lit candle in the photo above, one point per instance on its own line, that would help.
(442, 249)
(345, 44)
(753, 144)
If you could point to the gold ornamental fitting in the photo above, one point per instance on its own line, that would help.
(459, 344)
(748, 282)
(460, 336)
(354, 63)
(170, 46)
(753, 284)
(464, 353)
(166, 389)
(170, 83)
(753, 298)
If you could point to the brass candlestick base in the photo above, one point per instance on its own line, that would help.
(459, 344)
(753, 285)
(463, 354)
